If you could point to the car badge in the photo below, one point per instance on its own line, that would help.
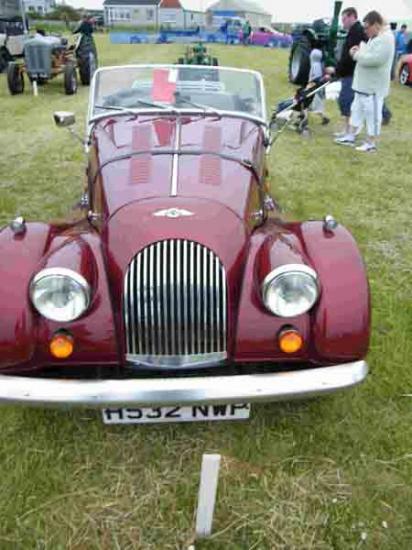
(173, 213)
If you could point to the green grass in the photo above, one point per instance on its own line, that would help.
(332, 473)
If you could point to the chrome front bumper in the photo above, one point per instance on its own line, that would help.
(180, 391)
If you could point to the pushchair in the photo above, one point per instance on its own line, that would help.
(294, 112)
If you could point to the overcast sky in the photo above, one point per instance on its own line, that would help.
(294, 10)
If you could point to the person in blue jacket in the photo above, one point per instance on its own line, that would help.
(401, 41)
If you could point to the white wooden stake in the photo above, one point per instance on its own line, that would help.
(207, 495)
(35, 89)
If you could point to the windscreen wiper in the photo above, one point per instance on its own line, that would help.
(201, 106)
(131, 109)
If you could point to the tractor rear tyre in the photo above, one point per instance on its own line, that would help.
(15, 79)
(87, 68)
(299, 62)
(70, 79)
(215, 62)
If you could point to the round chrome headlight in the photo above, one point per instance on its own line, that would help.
(60, 294)
(290, 290)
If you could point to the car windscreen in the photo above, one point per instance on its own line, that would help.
(178, 87)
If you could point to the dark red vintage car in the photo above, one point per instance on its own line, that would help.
(178, 294)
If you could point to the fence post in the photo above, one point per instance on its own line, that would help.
(207, 494)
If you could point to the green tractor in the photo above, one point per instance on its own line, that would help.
(198, 55)
(325, 36)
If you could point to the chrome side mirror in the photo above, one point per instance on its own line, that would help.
(64, 119)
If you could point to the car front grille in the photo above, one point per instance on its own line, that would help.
(175, 300)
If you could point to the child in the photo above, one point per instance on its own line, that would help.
(316, 74)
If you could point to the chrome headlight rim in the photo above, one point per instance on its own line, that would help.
(62, 272)
(284, 270)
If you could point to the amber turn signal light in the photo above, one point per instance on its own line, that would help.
(61, 345)
(290, 341)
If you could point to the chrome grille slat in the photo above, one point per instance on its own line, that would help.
(175, 303)
(152, 322)
(137, 308)
(192, 297)
(212, 302)
(144, 297)
(223, 310)
(165, 304)
(178, 298)
(198, 307)
(205, 305)
(185, 298)
(172, 297)
(128, 324)
(217, 294)
(158, 299)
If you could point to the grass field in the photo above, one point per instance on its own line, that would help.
(333, 473)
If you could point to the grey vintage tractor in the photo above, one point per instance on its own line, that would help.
(47, 57)
(321, 34)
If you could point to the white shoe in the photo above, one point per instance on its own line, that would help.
(367, 148)
(347, 139)
(339, 134)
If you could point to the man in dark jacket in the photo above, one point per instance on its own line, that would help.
(85, 26)
(346, 65)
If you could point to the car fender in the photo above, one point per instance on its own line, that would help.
(94, 332)
(338, 326)
(20, 255)
(341, 327)
(257, 329)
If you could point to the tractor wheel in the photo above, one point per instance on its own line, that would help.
(15, 79)
(181, 61)
(405, 75)
(70, 79)
(87, 68)
(299, 62)
(215, 62)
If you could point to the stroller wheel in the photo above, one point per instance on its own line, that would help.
(305, 132)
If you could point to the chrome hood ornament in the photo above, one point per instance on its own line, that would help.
(173, 213)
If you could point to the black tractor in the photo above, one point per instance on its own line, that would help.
(321, 34)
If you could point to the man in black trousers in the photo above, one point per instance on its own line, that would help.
(346, 65)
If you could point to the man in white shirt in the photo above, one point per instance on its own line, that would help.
(51, 40)
(371, 81)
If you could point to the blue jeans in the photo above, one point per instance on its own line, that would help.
(346, 96)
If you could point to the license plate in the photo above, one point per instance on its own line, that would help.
(192, 413)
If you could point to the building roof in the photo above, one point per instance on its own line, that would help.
(174, 4)
(131, 2)
(238, 5)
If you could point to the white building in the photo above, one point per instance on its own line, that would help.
(131, 12)
(42, 7)
(173, 14)
(148, 13)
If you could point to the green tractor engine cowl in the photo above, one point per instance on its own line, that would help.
(322, 35)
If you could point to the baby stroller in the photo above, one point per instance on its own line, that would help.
(294, 112)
